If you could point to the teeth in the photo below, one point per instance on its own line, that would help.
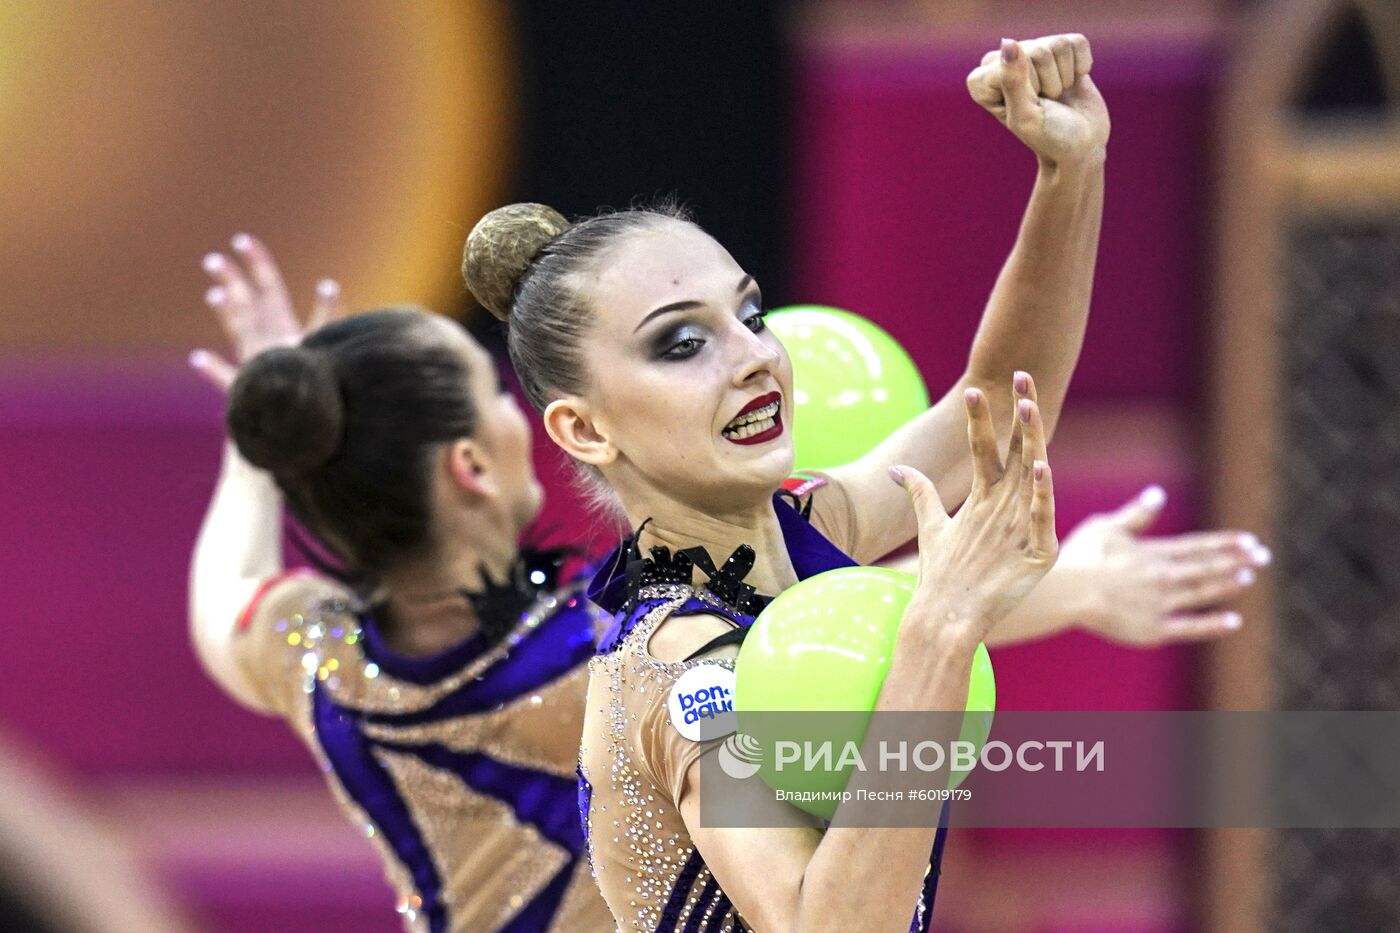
(750, 429)
(759, 415)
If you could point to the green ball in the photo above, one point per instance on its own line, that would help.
(852, 384)
(825, 645)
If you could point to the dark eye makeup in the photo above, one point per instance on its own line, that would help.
(679, 343)
(754, 313)
(684, 340)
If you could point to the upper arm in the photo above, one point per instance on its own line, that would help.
(760, 869)
(935, 443)
(248, 656)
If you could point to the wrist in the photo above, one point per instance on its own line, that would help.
(951, 625)
(1083, 167)
(1075, 591)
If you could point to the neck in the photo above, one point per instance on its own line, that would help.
(678, 526)
(428, 612)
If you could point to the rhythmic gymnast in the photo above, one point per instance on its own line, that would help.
(1174, 584)
(642, 343)
(438, 676)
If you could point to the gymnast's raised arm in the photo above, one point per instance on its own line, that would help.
(1034, 320)
(238, 553)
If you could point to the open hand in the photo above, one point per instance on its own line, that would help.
(1002, 541)
(1152, 591)
(251, 301)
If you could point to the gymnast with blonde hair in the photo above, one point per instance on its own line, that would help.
(642, 343)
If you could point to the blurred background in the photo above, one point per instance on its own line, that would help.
(1242, 353)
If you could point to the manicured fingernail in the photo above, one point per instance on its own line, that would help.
(1010, 51)
(1023, 408)
(1022, 382)
(213, 262)
(1261, 555)
(1248, 541)
(1039, 469)
(327, 288)
(215, 295)
(1244, 576)
(897, 475)
(1233, 620)
(1153, 497)
(242, 242)
(971, 396)
(198, 359)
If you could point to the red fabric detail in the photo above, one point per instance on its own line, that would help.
(245, 618)
(799, 486)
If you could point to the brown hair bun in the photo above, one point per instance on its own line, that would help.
(285, 411)
(499, 250)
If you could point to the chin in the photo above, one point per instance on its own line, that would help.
(762, 469)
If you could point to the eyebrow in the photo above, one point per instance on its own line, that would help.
(744, 283)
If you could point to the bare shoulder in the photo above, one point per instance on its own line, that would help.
(826, 502)
(296, 591)
(272, 634)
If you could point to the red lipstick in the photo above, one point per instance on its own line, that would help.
(776, 430)
(758, 403)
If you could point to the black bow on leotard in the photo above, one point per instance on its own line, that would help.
(724, 583)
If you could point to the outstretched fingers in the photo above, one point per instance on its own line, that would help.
(1200, 626)
(982, 441)
(1043, 542)
(1137, 514)
(1197, 545)
(1205, 583)
(1022, 387)
(1033, 433)
(237, 290)
(214, 369)
(328, 305)
(928, 505)
(262, 268)
(228, 313)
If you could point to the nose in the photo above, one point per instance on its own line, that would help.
(759, 359)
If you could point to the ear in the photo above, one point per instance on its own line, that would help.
(469, 468)
(568, 423)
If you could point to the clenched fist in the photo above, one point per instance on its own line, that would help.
(1041, 91)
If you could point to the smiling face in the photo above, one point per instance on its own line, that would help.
(688, 393)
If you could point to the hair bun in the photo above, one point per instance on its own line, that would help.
(285, 411)
(500, 248)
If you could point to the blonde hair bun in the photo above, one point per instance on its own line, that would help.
(499, 250)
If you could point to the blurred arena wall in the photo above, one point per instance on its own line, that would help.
(831, 145)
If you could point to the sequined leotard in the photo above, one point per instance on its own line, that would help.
(632, 762)
(460, 767)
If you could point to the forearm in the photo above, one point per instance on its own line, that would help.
(927, 673)
(1034, 321)
(1036, 315)
(1058, 603)
(239, 546)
